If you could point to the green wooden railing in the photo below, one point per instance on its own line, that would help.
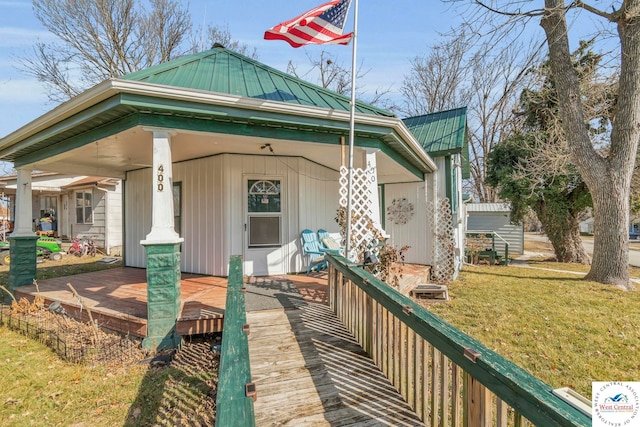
(447, 377)
(234, 402)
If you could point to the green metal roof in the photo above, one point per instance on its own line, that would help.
(224, 71)
(440, 133)
(116, 105)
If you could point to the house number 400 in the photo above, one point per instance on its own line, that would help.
(160, 178)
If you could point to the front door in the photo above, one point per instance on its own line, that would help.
(264, 222)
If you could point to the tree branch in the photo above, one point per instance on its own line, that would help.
(531, 13)
(594, 10)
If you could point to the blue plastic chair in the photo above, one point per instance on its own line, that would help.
(328, 243)
(311, 248)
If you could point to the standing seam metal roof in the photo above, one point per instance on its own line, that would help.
(224, 71)
(440, 133)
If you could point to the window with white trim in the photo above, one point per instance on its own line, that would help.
(84, 207)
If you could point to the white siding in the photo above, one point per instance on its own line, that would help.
(114, 217)
(416, 232)
(213, 216)
(137, 210)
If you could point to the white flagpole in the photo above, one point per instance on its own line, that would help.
(352, 122)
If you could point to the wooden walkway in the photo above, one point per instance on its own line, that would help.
(309, 371)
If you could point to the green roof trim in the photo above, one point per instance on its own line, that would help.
(224, 71)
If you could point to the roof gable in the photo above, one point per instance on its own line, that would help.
(224, 71)
(440, 133)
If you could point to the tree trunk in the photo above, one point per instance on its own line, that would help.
(564, 233)
(608, 177)
(611, 231)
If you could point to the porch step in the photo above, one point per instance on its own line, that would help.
(433, 291)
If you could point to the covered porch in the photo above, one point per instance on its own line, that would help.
(219, 155)
(118, 297)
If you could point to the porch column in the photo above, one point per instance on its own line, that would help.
(370, 162)
(162, 247)
(22, 252)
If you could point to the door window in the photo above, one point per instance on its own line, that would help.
(265, 214)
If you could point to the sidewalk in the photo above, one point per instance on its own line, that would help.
(523, 262)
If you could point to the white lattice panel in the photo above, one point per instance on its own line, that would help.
(444, 247)
(361, 205)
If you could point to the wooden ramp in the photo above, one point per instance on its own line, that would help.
(309, 371)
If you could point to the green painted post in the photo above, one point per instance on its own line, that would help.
(234, 404)
(22, 267)
(163, 296)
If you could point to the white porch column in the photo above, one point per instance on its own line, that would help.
(23, 221)
(370, 162)
(22, 250)
(162, 225)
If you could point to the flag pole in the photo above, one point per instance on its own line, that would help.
(352, 122)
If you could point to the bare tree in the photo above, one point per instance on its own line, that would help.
(100, 39)
(607, 170)
(329, 73)
(220, 35)
(463, 70)
(438, 80)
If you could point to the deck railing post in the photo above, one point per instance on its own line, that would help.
(478, 402)
(236, 392)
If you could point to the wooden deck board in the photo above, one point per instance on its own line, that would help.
(309, 371)
(118, 299)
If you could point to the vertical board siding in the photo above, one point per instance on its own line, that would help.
(416, 232)
(213, 210)
(138, 215)
(198, 214)
(114, 216)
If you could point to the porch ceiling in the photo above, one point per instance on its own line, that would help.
(131, 149)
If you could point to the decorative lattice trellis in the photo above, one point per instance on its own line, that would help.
(445, 245)
(361, 204)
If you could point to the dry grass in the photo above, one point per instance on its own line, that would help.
(38, 388)
(562, 329)
(67, 266)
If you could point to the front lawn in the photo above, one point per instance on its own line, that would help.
(563, 330)
(37, 388)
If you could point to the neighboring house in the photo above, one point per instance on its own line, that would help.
(78, 206)
(634, 230)
(496, 217)
(586, 226)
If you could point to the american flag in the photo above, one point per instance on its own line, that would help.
(321, 25)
